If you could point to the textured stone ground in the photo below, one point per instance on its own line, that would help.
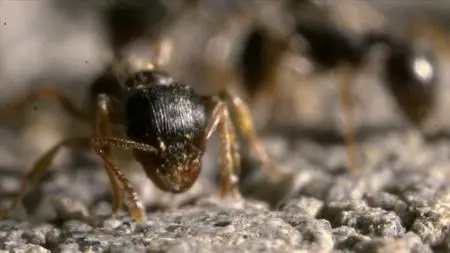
(399, 202)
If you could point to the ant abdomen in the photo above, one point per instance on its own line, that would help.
(411, 77)
(172, 118)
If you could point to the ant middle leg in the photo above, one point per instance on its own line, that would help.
(41, 166)
(16, 108)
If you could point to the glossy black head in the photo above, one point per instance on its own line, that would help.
(172, 118)
(411, 76)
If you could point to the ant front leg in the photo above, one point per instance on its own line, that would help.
(229, 156)
(62, 101)
(41, 166)
(101, 146)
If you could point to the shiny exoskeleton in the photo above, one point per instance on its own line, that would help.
(172, 118)
(167, 126)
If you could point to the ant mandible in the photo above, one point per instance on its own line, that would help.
(167, 126)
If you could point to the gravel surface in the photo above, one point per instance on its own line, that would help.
(398, 202)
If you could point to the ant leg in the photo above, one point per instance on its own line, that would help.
(345, 81)
(41, 166)
(245, 126)
(103, 128)
(19, 106)
(100, 145)
(219, 107)
(211, 126)
(229, 157)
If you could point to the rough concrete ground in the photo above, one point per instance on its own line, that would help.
(398, 202)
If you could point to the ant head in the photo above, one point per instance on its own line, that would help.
(177, 177)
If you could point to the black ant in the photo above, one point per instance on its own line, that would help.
(167, 126)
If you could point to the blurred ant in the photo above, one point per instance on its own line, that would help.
(410, 71)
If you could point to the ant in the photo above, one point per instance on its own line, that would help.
(167, 126)
(410, 71)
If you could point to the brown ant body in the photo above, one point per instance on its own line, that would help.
(166, 125)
